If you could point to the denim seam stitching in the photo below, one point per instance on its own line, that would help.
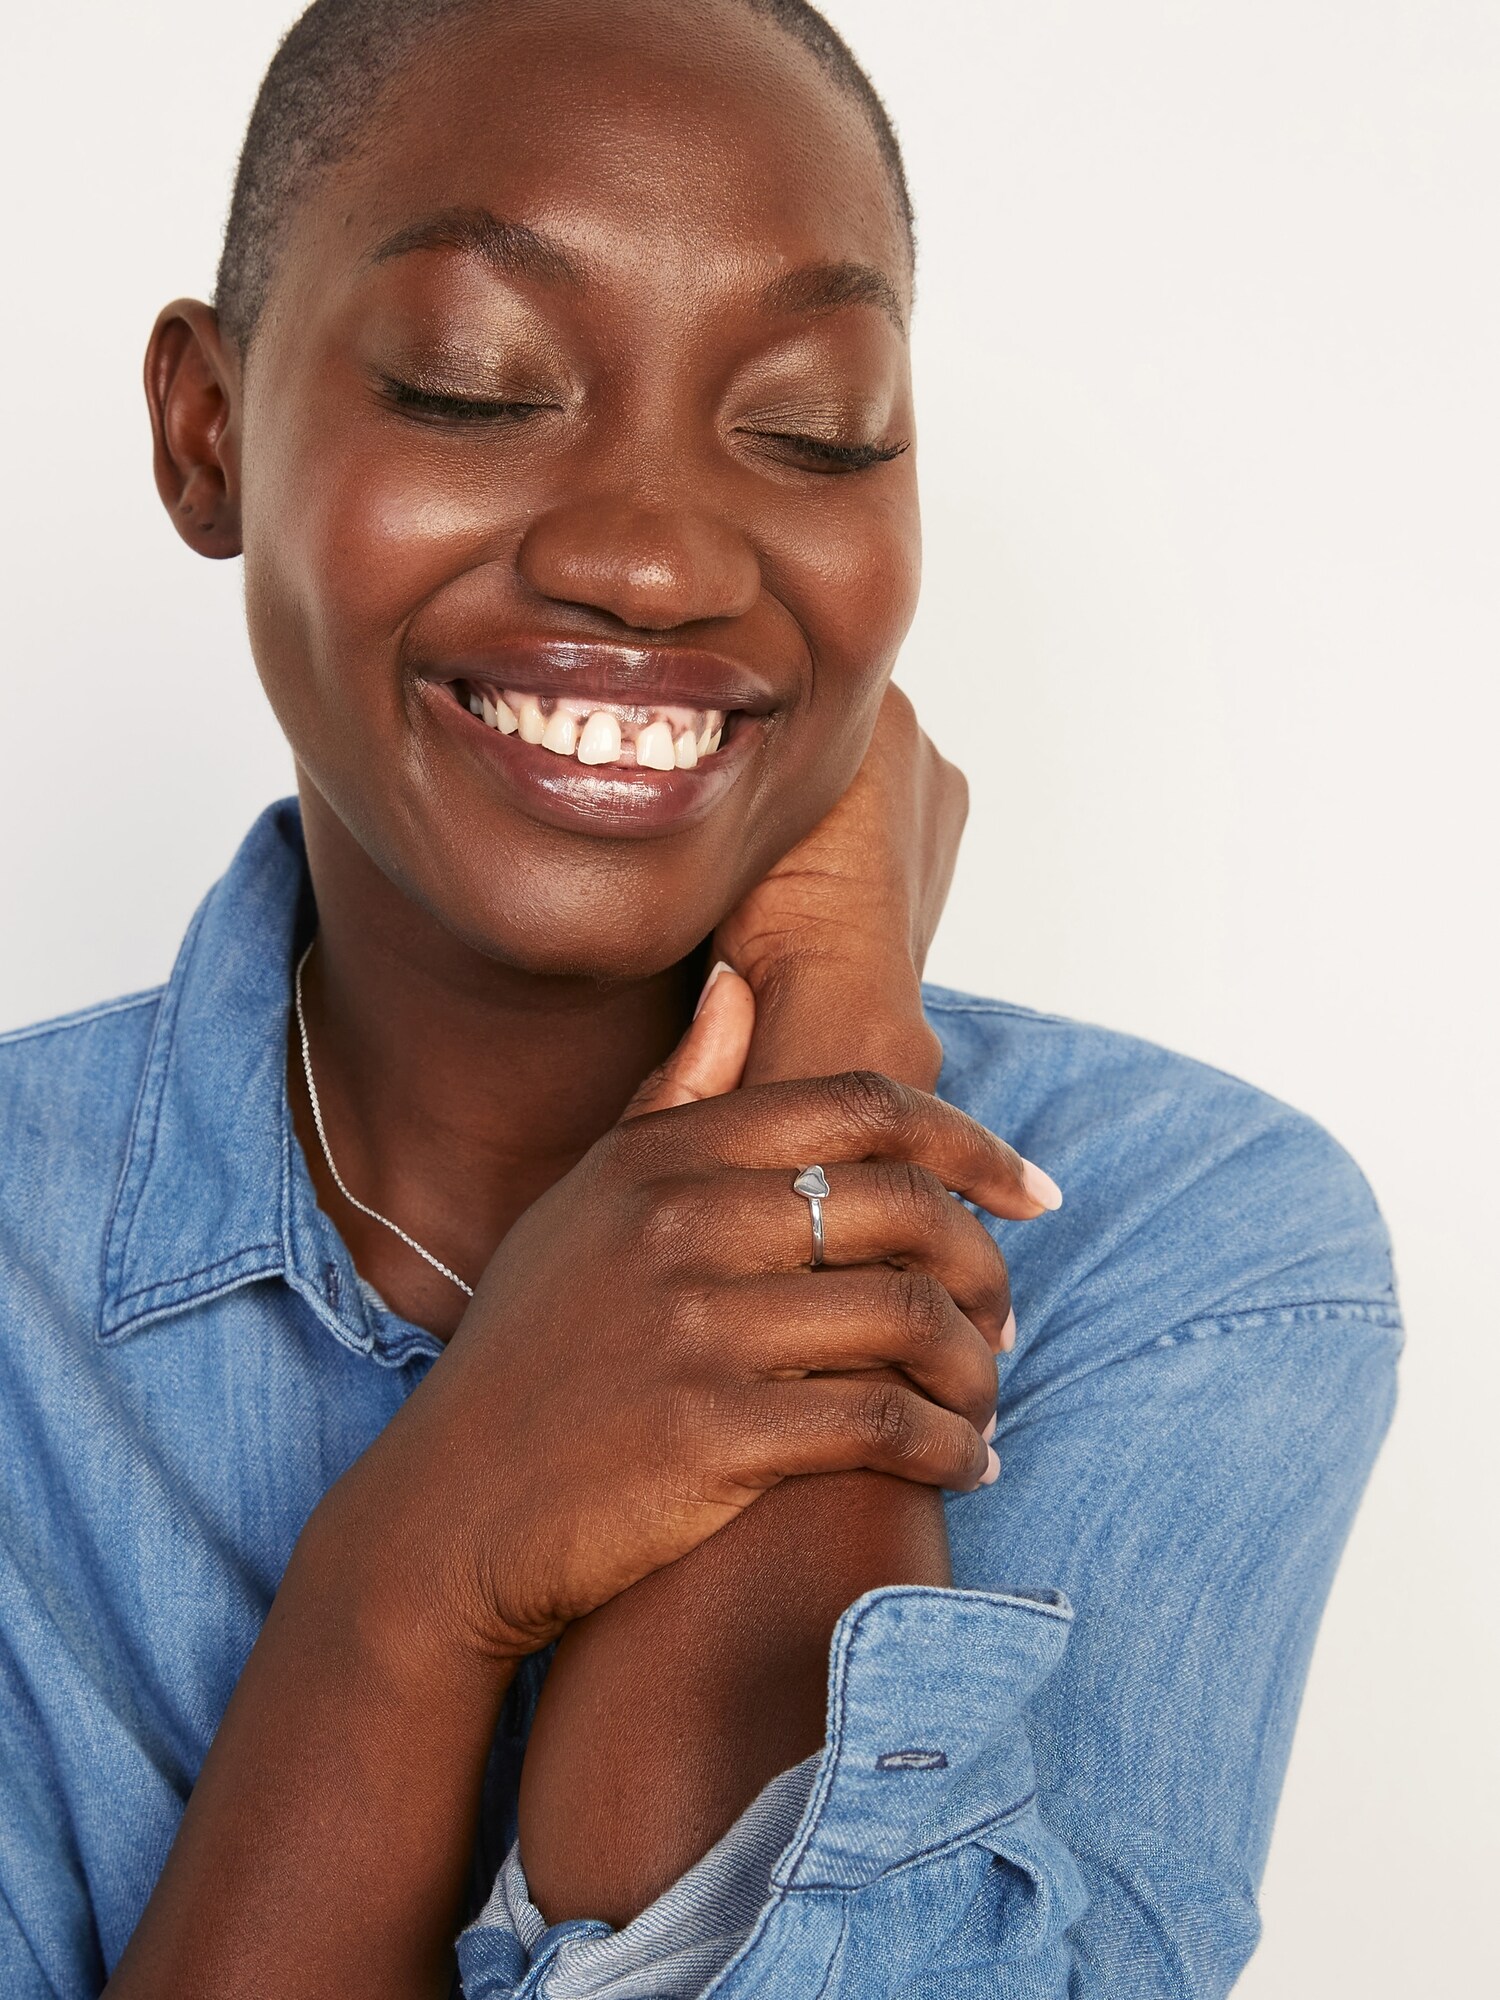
(190, 1277)
(838, 1946)
(968, 1837)
(165, 1308)
(1374, 1312)
(154, 1079)
(1011, 1012)
(65, 1022)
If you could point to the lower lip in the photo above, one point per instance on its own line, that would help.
(613, 801)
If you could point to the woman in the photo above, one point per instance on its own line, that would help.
(369, 1325)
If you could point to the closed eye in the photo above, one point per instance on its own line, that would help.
(435, 406)
(824, 455)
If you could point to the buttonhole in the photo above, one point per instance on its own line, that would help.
(912, 1760)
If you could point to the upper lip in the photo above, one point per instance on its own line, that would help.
(625, 673)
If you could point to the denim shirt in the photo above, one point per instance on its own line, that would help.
(1056, 1779)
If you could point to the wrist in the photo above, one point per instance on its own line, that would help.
(378, 1555)
(820, 1012)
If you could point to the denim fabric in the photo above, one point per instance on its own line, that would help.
(1013, 1800)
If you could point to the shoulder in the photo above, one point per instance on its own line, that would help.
(68, 1091)
(1187, 1192)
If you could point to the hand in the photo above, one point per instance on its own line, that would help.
(834, 939)
(647, 1352)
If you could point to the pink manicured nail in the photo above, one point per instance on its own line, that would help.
(1008, 1332)
(992, 1471)
(1043, 1190)
(708, 984)
(989, 1430)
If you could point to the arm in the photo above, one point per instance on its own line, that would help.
(325, 1843)
(672, 1706)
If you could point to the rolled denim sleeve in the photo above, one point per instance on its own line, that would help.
(916, 1776)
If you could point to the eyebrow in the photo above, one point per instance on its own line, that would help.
(511, 248)
(514, 249)
(815, 288)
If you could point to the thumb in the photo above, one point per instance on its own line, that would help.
(710, 1058)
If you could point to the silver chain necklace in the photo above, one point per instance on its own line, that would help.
(338, 1179)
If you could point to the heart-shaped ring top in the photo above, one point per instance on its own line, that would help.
(812, 1182)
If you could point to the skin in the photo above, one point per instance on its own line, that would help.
(489, 987)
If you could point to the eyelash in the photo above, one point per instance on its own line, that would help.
(830, 457)
(455, 409)
(826, 456)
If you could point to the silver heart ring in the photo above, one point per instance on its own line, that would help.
(812, 1185)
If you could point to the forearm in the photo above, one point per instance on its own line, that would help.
(667, 1710)
(327, 1843)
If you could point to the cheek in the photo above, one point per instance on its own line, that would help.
(855, 574)
(345, 534)
(852, 584)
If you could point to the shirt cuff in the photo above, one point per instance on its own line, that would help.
(924, 1747)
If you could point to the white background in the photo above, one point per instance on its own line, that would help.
(1206, 353)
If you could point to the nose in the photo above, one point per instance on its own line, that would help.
(648, 567)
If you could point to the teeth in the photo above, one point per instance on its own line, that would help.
(600, 741)
(561, 733)
(533, 723)
(678, 740)
(654, 747)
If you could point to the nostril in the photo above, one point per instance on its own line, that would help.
(652, 570)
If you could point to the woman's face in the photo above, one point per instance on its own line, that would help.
(584, 389)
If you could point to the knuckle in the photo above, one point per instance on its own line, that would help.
(884, 1417)
(871, 1101)
(962, 1455)
(633, 1148)
(909, 1194)
(919, 1306)
(671, 1220)
(695, 1317)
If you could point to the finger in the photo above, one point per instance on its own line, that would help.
(832, 1423)
(872, 1317)
(862, 1115)
(875, 1212)
(710, 1058)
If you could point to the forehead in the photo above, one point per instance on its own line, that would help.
(688, 141)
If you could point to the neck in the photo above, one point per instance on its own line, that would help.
(454, 1089)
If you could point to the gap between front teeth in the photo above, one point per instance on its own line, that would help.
(665, 743)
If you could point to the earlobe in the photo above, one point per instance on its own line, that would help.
(192, 390)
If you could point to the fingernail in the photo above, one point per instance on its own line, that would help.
(989, 1429)
(1008, 1332)
(1043, 1190)
(708, 985)
(992, 1471)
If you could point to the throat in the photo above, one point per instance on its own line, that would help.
(450, 1128)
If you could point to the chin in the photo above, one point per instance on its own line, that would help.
(543, 930)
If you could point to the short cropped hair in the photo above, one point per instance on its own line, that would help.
(326, 76)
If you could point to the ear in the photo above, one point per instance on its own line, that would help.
(192, 390)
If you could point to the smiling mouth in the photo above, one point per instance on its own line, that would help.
(652, 736)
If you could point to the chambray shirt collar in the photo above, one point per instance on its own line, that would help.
(215, 1193)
